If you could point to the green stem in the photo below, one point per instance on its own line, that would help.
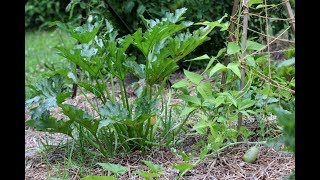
(106, 88)
(101, 91)
(112, 89)
(148, 122)
(180, 126)
(124, 96)
(89, 101)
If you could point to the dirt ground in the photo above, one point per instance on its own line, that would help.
(271, 164)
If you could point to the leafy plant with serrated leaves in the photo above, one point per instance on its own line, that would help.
(118, 124)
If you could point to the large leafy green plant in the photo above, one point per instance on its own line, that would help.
(118, 124)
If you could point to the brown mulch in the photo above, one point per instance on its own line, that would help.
(270, 164)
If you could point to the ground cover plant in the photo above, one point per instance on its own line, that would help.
(210, 109)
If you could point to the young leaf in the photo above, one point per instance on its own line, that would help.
(199, 58)
(184, 156)
(204, 152)
(192, 99)
(193, 77)
(205, 89)
(219, 100)
(183, 168)
(250, 61)
(234, 68)
(115, 168)
(182, 83)
(147, 175)
(98, 178)
(154, 167)
(245, 103)
(201, 126)
(251, 45)
(233, 48)
(252, 2)
(217, 68)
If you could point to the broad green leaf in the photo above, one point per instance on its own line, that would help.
(262, 59)
(245, 103)
(233, 48)
(252, 2)
(136, 69)
(288, 62)
(154, 167)
(205, 89)
(81, 117)
(234, 68)
(115, 168)
(250, 61)
(158, 70)
(219, 100)
(51, 124)
(221, 119)
(86, 32)
(217, 68)
(187, 110)
(182, 83)
(147, 175)
(251, 45)
(262, 6)
(199, 58)
(215, 23)
(192, 99)
(201, 126)
(98, 178)
(183, 167)
(114, 112)
(193, 77)
(221, 51)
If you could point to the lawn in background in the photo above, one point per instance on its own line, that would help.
(40, 51)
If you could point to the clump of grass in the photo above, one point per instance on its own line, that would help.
(40, 51)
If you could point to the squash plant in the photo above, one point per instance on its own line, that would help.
(119, 124)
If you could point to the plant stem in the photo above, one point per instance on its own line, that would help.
(112, 89)
(124, 96)
(89, 101)
(106, 88)
(181, 125)
(101, 91)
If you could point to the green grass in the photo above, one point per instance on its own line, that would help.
(39, 50)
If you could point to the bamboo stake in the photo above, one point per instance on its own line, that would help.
(243, 47)
(291, 15)
(235, 8)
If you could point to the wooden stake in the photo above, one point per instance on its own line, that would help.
(226, 61)
(291, 15)
(243, 48)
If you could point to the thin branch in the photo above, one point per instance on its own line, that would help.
(275, 83)
(271, 37)
(270, 18)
